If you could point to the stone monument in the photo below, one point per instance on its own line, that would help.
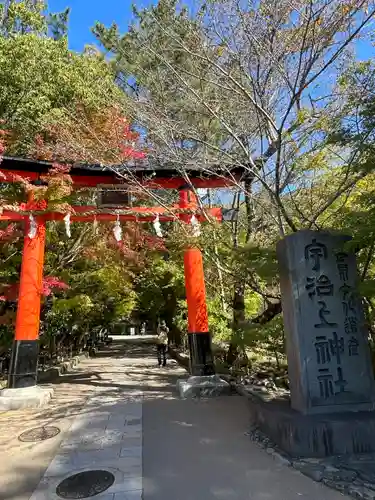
(329, 360)
(330, 371)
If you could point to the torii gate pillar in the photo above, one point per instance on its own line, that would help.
(201, 359)
(24, 362)
(22, 391)
(203, 381)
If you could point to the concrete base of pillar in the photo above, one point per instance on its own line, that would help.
(203, 387)
(25, 397)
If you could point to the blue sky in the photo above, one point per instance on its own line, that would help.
(84, 14)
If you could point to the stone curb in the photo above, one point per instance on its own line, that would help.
(271, 448)
(55, 372)
(181, 358)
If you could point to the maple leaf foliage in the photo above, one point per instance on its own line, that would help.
(103, 137)
(133, 248)
(50, 285)
(10, 233)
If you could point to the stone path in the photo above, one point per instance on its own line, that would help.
(119, 403)
(107, 435)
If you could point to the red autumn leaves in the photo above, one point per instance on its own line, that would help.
(50, 285)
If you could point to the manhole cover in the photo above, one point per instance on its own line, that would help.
(85, 484)
(39, 434)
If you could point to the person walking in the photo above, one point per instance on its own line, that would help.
(162, 343)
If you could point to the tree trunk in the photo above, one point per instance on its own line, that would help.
(217, 262)
(272, 310)
(240, 288)
(249, 210)
(238, 306)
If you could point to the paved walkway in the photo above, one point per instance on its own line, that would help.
(120, 413)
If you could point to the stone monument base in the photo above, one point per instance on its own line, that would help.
(321, 435)
(25, 397)
(203, 387)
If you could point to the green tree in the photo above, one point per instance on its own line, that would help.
(20, 17)
(43, 84)
(48, 92)
(160, 290)
(58, 103)
(58, 24)
(253, 85)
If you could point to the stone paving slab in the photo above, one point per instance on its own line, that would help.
(91, 392)
(119, 404)
(96, 440)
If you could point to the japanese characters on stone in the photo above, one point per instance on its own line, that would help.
(335, 343)
(329, 362)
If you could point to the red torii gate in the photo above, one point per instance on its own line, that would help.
(24, 361)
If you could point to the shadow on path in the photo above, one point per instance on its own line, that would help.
(192, 449)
